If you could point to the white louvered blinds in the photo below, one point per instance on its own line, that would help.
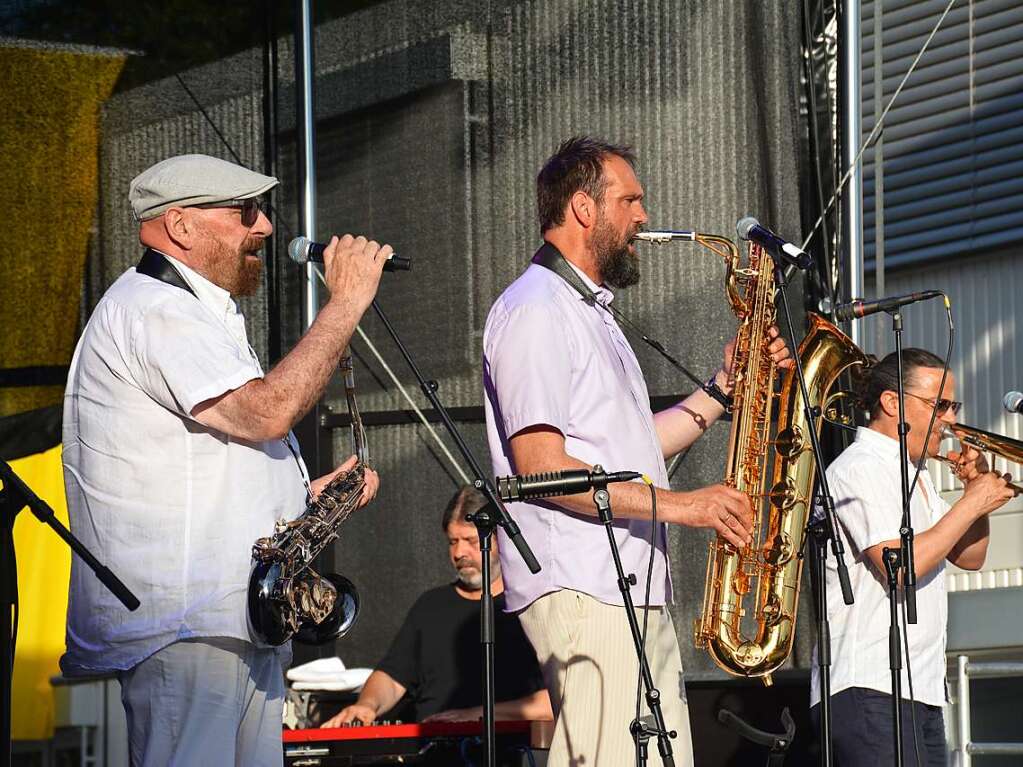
(953, 143)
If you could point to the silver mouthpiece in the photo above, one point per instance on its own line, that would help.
(664, 236)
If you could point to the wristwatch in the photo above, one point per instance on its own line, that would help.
(716, 392)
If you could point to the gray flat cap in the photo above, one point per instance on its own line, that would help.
(192, 179)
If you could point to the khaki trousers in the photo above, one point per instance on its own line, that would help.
(210, 702)
(588, 658)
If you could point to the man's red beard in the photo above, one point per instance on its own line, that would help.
(238, 272)
(251, 271)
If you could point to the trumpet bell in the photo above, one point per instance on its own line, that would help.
(985, 442)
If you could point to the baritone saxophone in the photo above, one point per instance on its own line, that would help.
(751, 594)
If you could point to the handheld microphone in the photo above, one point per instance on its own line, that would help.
(859, 308)
(524, 487)
(750, 229)
(664, 236)
(1013, 402)
(303, 250)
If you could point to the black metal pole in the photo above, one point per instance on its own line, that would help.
(891, 566)
(273, 278)
(485, 524)
(639, 729)
(906, 528)
(827, 528)
(818, 571)
(8, 599)
(15, 496)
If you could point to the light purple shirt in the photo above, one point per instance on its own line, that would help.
(550, 358)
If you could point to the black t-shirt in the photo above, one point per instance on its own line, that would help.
(437, 654)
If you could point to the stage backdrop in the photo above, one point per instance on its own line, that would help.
(433, 119)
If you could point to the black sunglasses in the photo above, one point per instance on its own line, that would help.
(941, 405)
(249, 209)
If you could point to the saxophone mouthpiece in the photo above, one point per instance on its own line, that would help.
(664, 235)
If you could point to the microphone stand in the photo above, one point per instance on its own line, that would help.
(486, 519)
(641, 730)
(901, 558)
(820, 531)
(15, 496)
(906, 529)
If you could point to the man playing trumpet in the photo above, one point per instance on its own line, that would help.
(866, 482)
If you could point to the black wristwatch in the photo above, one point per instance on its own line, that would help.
(715, 392)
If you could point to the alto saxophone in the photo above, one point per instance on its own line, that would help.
(758, 449)
(287, 598)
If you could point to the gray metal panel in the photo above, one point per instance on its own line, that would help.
(985, 620)
(958, 120)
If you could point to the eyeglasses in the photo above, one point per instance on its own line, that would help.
(249, 208)
(941, 405)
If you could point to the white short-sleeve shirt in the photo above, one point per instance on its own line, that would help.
(171, 506)
(866, 485)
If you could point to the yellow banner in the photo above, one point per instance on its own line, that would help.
(44, 567)
(49, 131)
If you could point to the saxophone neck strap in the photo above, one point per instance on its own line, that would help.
(154, 264)
(549, 257)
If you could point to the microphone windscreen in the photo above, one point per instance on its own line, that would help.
(298, 249)
(744, 225)
(1013, 401)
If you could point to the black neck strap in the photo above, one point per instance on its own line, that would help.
(154, 264)
(549, 257)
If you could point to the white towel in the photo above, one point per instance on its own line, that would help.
(352, 679)
(327, 669)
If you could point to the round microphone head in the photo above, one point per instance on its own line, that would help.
(298, 249)
(1012, 401)
(744, 225)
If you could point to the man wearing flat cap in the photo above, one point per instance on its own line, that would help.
(178, 455)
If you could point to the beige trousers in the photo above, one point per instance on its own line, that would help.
(588, 658)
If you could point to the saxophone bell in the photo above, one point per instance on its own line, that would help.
(286, 597)
(340, 618)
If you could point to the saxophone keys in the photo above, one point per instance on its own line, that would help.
(749, 654)
(784, 494)
(790, 442)
(780, 551)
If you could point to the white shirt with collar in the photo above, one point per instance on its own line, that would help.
(171, 506)
(551, 358)
(866, 484)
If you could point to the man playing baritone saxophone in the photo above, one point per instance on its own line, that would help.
(178, 455)
(565, 391)
(866, 483)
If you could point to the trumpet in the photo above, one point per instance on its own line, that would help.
(984, 441)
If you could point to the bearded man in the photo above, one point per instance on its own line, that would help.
(436, 656)
(178, 455)
(564, 391)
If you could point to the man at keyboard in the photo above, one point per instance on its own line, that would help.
(436, 656)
